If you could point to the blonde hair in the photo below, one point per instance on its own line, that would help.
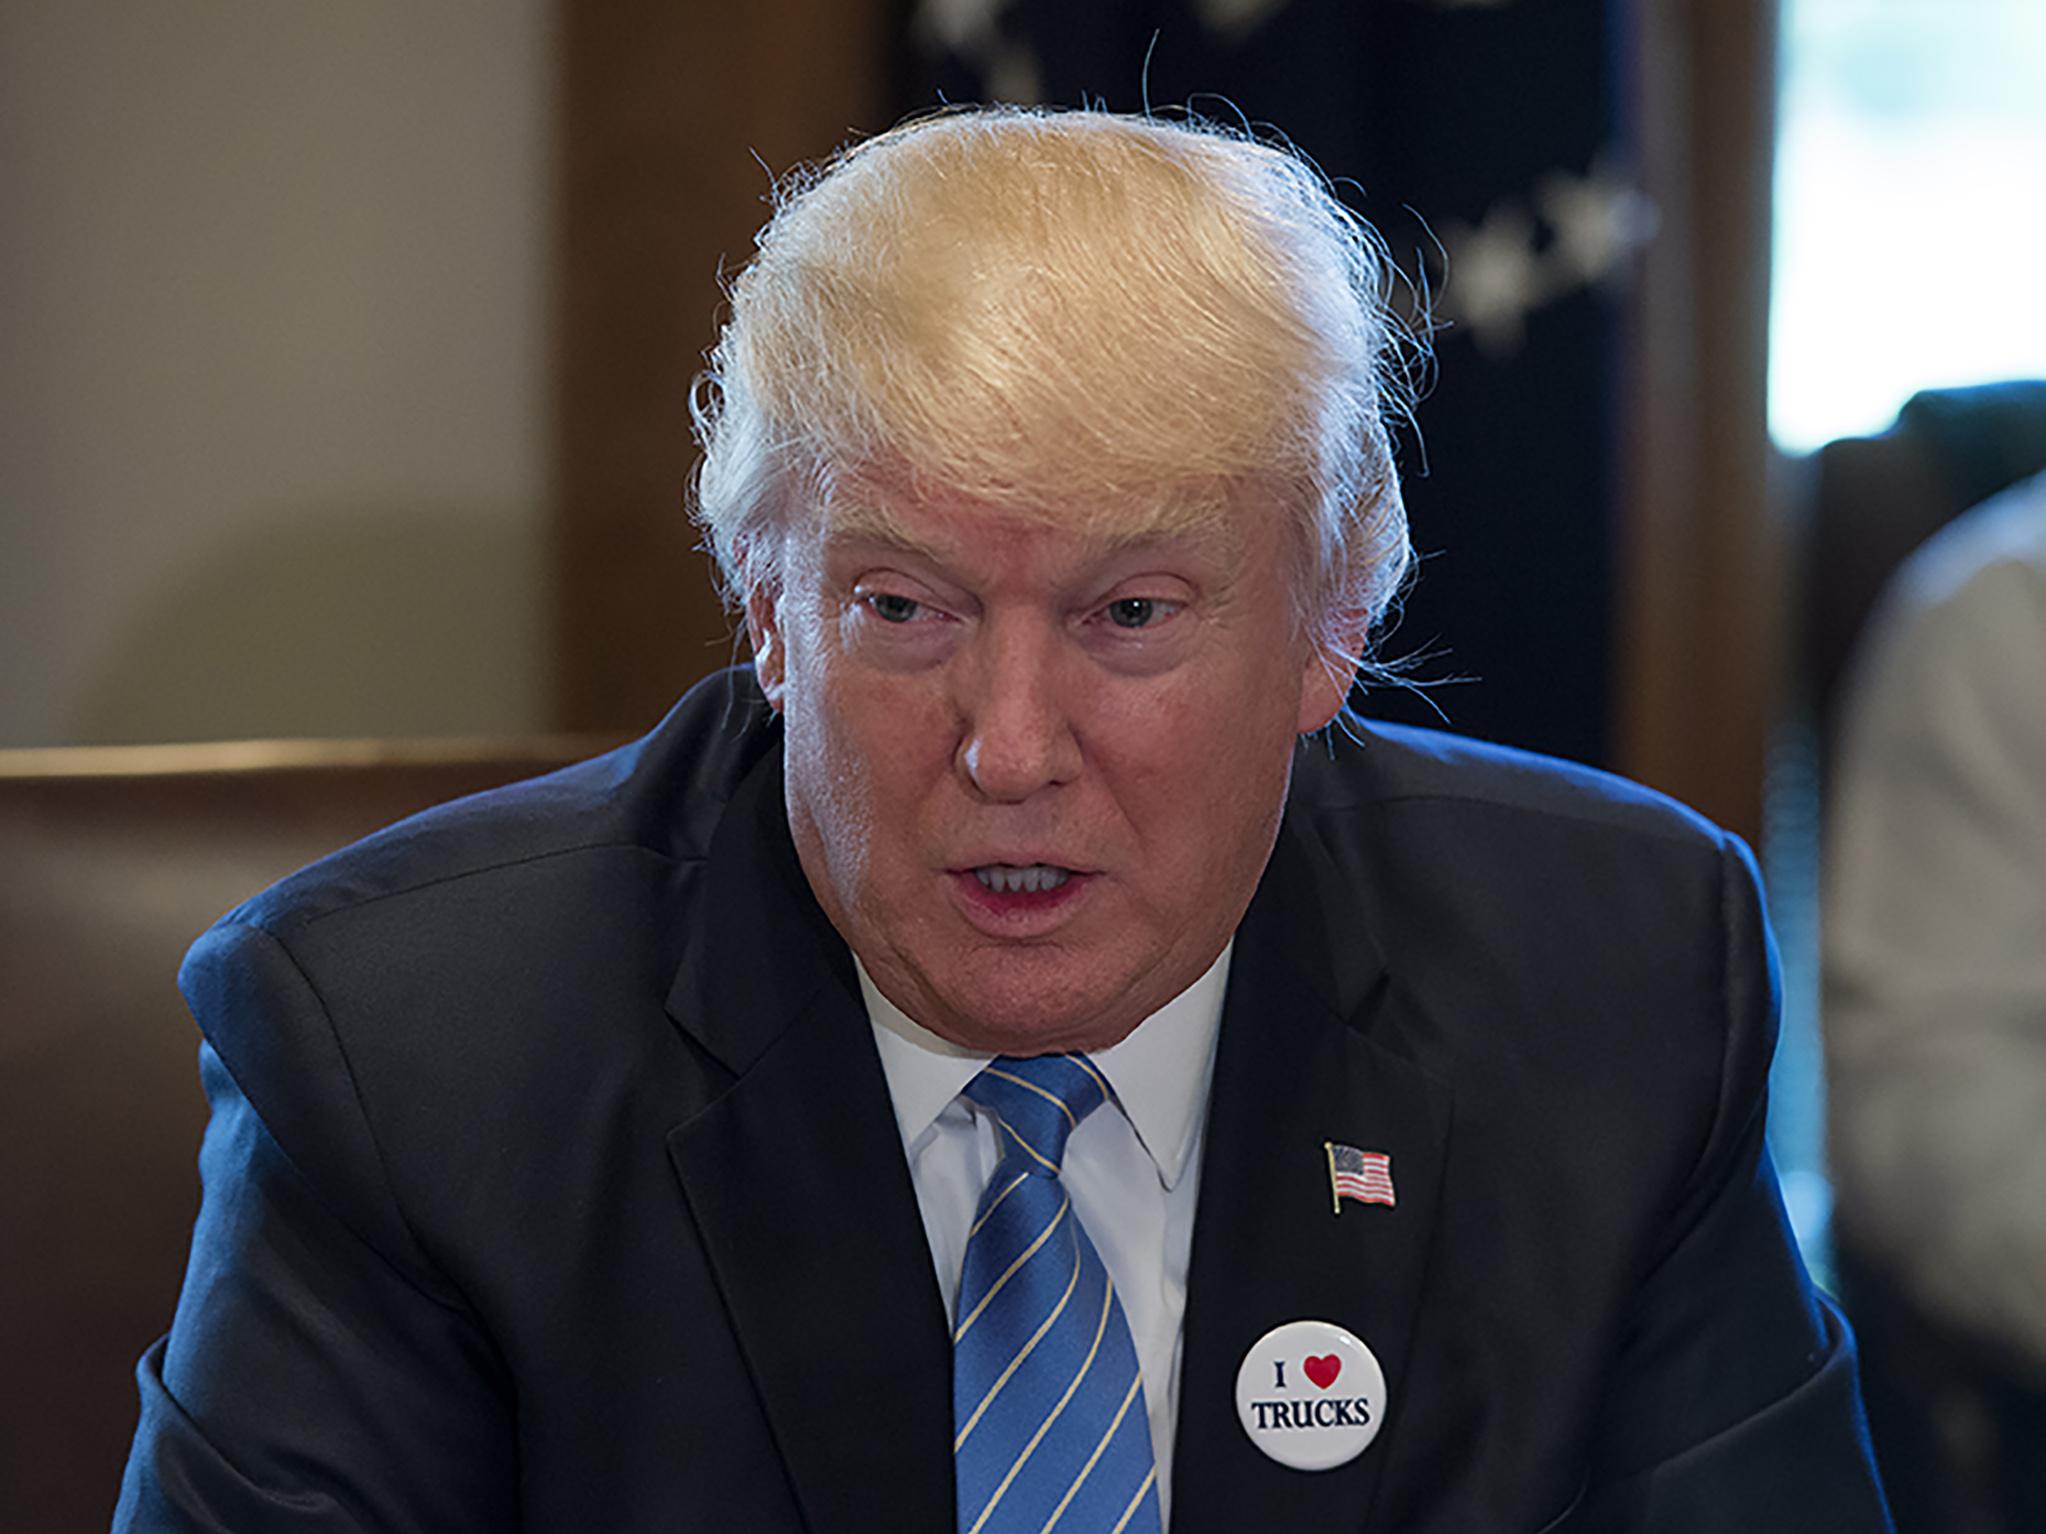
(1068, 315)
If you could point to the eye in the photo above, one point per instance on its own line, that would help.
(890, 607)
(1135, 612)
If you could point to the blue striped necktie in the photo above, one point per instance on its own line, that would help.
(1049, 1426)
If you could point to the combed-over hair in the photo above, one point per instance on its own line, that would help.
(1067, 315)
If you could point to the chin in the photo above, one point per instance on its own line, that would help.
(1007, 1035)
(1034, 1014)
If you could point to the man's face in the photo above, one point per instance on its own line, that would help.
(1034, 774)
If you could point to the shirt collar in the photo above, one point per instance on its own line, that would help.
(1160, 1072)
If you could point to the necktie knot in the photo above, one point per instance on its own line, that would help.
(1038, 1100)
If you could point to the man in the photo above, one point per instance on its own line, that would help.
(1936, 990)
(1935, 1005)
(981, 1072)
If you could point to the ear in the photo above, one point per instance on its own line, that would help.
(1325, 679)
(770, 654)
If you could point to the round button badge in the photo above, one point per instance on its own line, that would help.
(1311, 1395)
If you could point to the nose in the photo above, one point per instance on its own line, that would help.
(1017, 737)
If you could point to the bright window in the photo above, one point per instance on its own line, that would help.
(1910, 207)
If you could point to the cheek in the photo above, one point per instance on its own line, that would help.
(866, 758)
(1203, 767)
(828, 782)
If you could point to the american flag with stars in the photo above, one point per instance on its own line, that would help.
(1365, 1176)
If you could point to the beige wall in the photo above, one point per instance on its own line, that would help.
(273, 418)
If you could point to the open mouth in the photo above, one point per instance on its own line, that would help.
(1032, 879)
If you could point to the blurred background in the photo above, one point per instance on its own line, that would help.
(345, 353)
(348, 347)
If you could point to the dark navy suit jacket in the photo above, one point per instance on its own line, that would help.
(552, 1181)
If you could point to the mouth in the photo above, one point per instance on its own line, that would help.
(1028, 879)
(1020, 900)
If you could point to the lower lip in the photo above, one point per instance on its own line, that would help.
(1022, 910)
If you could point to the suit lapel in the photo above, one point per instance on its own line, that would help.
(1301, 1061)
(796, 1180)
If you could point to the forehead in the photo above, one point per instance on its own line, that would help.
(1218, 523)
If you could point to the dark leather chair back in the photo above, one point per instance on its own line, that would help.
(1875, 499)
(111, 861)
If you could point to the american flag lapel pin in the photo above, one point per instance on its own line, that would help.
(1361, 1175)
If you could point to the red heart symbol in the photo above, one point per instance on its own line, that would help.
(1322, 1370)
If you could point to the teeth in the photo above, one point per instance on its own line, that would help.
(1006, 879)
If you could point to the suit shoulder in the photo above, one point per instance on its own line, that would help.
(659, 796)
(1389, 767)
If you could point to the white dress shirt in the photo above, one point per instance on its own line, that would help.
(1132, 1167)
